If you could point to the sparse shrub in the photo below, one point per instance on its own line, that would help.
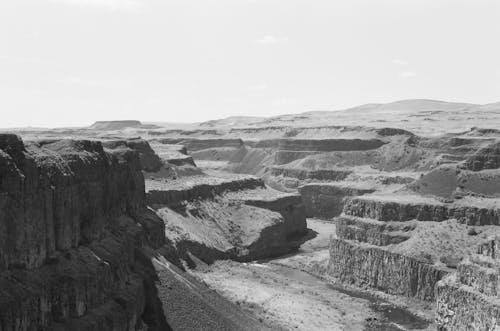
(291, 133)
(472, 232)
(451, 261)
(426, 257)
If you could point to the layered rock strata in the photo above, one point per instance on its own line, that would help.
(70, 234)
(485, 158)
(469, 299)
(326, 200)
(149, 160)
(305, 174)
(228, 218)
(368, 252)
(293, 149)
(172, 193)
(193, 144)
(407, 208)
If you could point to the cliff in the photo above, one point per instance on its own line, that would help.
(485, 158)
(173, 193)
(235, 218)
(368, 265)
(404, 208)
(193, 144)
(149, 160)
(293, 149)
(304, 174)
(469, 298)
(326, 200)
(81, 251)
(69, 234)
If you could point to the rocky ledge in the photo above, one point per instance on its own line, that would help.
(174, 192)
(293, 149)
(403, 207)
(367, 253)
(211, 218)
(305, 174)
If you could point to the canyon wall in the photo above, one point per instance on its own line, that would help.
(69, 225)
(366, 265)
(326, 200)
(469, 298)
(401, 211)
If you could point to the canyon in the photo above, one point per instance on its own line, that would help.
(380, 217)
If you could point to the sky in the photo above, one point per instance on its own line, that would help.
(73, 62)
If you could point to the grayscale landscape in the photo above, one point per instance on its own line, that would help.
(237, 165)
(376, 222)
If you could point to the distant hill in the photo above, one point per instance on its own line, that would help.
(120, 125)
(413, 105)
(422, 116)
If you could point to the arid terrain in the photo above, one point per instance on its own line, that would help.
(378, 217)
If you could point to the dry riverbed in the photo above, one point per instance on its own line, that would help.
(283, 292)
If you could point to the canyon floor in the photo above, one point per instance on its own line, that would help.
(292, 292)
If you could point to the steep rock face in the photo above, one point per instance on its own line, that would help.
(57, 195)
(228, 218)
(149, 160)
(290, 207)
(371, 231)
(384, 210)
(158, 194)
(367, 265)
(460, 308)
(219, 228)
(70, 238)
(327, 200)
(485, 158)
(329, 145)
(293, 149)
(469, 298)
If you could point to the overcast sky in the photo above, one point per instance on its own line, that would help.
(72, 62)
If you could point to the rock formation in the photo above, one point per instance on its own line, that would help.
(485, 158)
(326, 200)
(469, 298)
(69, 224)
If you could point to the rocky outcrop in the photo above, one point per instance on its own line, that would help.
(171, 194)
(149, 160)
(384, 256)
(193, 144)
(469, 299)
(290, 207)
(58, 194)
(176, 155)
(395, 273)
(70, 237)
(485, 158)
(326, 200)
(403, 210)
(329, 145)
(372, 232)
(235, 218)
(293, 149)
(304, 174)
(221, 228)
